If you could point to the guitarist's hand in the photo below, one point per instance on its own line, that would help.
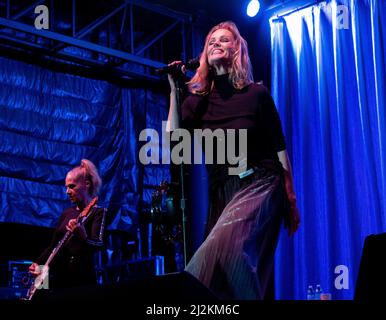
(34, 269)
(71, 225)
(77, 229)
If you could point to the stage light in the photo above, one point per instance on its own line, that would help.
(253, 8)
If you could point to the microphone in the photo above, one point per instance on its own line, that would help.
(192, 64)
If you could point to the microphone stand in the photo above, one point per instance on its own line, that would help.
(179, 82)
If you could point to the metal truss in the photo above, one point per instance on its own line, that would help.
(130, 38)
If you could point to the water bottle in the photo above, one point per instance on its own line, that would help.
(318, 292)
(310, 293)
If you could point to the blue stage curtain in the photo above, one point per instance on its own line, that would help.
(329, 85)
(49, 121)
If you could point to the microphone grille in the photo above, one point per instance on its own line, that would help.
(193, 64)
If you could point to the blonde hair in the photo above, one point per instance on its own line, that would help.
(89, 172)
(240, 71)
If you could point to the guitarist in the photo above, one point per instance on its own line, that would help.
(74, 263)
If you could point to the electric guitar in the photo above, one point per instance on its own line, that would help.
(40, 279)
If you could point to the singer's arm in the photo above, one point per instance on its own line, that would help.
(172, 122)
(294, 218)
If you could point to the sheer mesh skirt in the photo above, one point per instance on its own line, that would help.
(236, 259)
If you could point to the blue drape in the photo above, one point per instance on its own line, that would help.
(49, 121)
(328, 82)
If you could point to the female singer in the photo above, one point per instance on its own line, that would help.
(246, 211)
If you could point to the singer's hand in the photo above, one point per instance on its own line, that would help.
(172, 82)
(294, 222)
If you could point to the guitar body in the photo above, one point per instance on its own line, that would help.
(41, 282)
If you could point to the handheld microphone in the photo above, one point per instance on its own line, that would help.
(192, 64)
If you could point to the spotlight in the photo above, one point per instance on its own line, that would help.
(253, 8)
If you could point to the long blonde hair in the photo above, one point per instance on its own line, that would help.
(89, 172)
(241, 69)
